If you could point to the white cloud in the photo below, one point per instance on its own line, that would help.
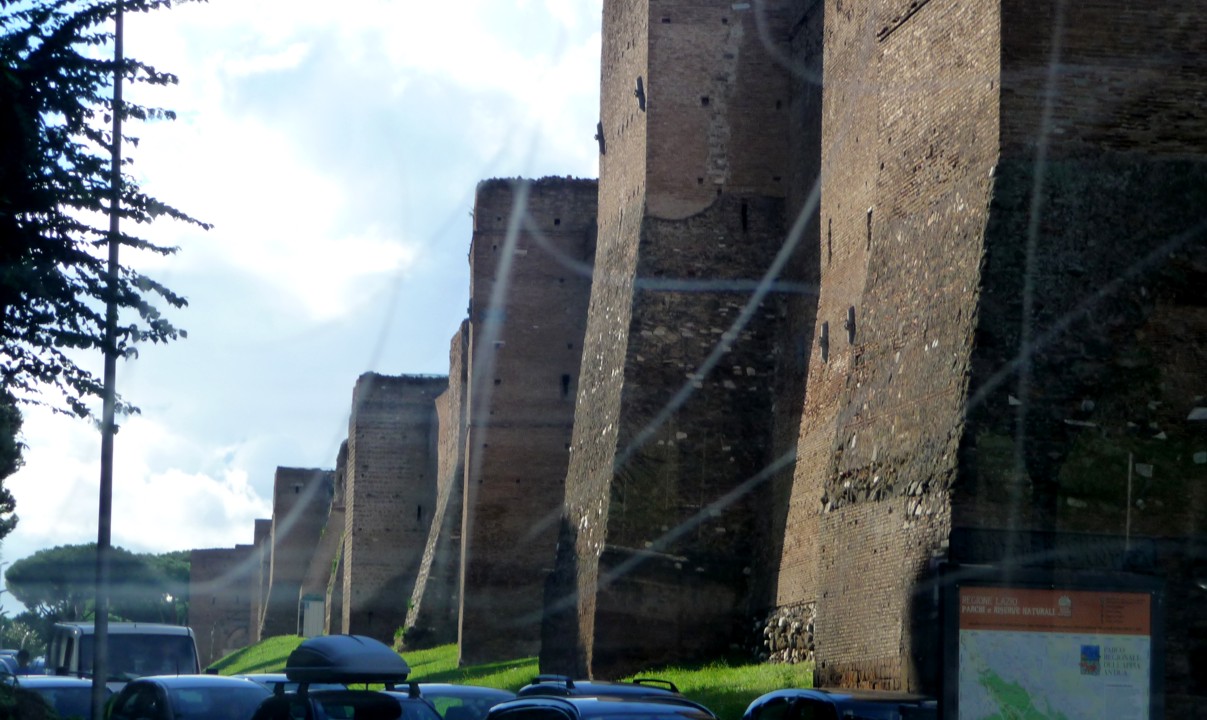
(156, 507)
(335, 147)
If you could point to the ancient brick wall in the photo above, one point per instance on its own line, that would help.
(528, 308)
(788, 559)
(1092, 333)
(220, 584)
(301, 499)
(908, 140)
(1129, 77)
(325, 555)
(390, 492)
(434, 613)
(569, 608)
(262, 557)
(666, 427)
(932, 263)
(717, 103)
(333, 595)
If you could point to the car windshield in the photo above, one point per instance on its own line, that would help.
(136, 655)
(68, 702)
(215, 703)
(368, 705)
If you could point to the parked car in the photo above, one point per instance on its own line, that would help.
(71, 697)
(824, 704)
(350, 660)
(619, 707)
(563, 686)
(182, 697)
(462, 702)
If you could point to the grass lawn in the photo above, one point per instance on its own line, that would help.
(725, 688)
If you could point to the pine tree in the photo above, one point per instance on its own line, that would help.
(55, 105)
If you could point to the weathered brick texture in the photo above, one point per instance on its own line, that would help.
(262, 556)
(325, 554)
(220, 585)
(530, 270)
(301, 499)
(688, 222)
(390, 493)
(432, 618)
(333, 594)
(936, 155)
(986, 344)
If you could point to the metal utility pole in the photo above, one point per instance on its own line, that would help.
(100, 647)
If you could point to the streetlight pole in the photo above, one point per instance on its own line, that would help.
(100, 656)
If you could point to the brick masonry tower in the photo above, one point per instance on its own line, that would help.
(432, 618)
(333, 595)
(674, 410)
(1011, 264)
(262, 557)
(530, 274)
(301, 498)
(220, 585)
(389, 496)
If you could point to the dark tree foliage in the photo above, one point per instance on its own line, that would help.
(17, 703)
(59, 583)
(10, 459)
(56, 75)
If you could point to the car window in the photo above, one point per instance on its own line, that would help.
(68, 702)
(363, 706)
(808, 709)
(138, 702)
(418, 710)
(532, 713)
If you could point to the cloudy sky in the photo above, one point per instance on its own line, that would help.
(335, 147)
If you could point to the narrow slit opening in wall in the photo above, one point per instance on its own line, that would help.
(666, 21)
(704, 101)
(565, 386)
(869, 228)
(557, 221)
(419, 513)
(745, 216)
(829, 240)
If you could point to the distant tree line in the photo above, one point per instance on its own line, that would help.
(58, 584)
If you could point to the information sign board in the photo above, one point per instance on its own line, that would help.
(1066, 651)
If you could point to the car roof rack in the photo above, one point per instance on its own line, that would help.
(656, 682)
(346, 659)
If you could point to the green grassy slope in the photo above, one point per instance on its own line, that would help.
(725, 688)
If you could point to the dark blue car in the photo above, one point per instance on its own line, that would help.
(835, 704)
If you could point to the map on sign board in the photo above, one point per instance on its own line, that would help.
(1054, 654)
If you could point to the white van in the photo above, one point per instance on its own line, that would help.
(135, 649)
